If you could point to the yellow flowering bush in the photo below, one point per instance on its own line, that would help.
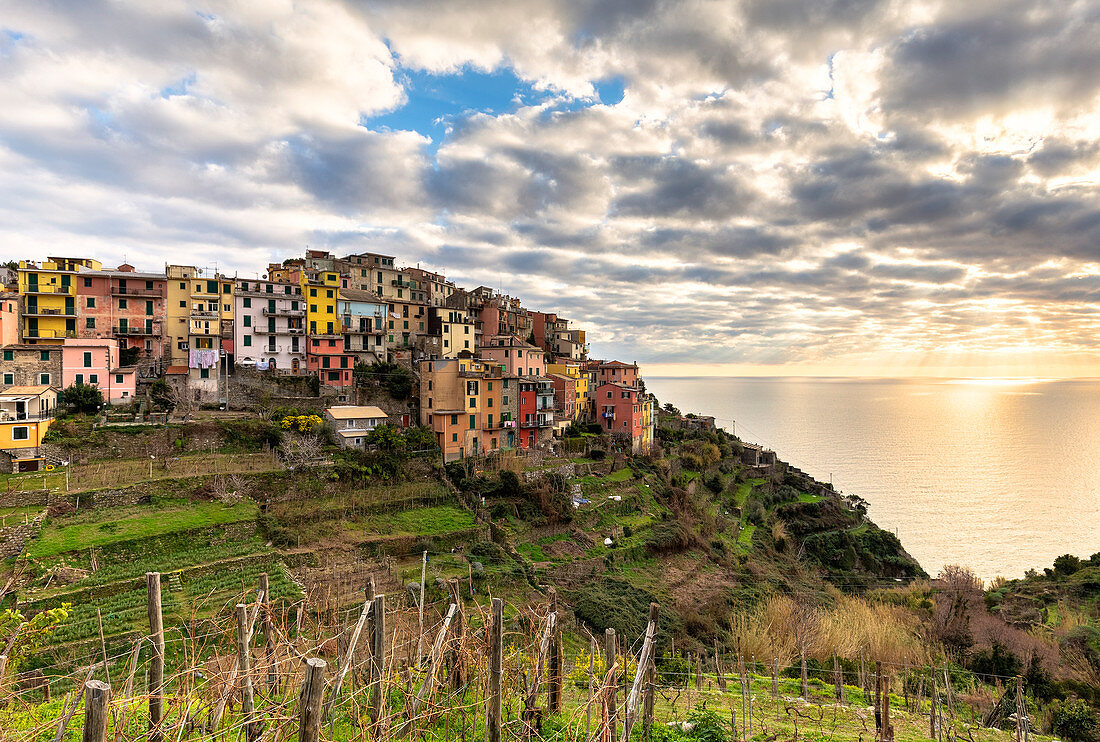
(302, 423)
(579, 674)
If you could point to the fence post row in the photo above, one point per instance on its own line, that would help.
(611, 651)
(496, 662)
(642, 669)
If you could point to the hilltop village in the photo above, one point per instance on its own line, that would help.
(487, 373)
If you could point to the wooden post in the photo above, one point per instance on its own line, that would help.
(244, 670)
(863, 676)
(649, 699)
(420, 634)
(103, 645)
(496, 662)
(97, 695)
(309, 701)
(611, 653)
(775, 685)
(555, 659)
(349, 655)
(377, 655)
(878, 701)
(429, 679)
(698, 672)
(643, 665)
(932, 709)
(837, 680)
(718, 668)
(887, 727)
(457, 661)
(1020, 713)
(592, 650)
(269, 635)
(805, 686)
(156, 662)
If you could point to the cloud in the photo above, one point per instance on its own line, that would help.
(781, 181)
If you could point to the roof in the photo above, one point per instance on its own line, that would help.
(350, 412)
(176, 371)
(125, 370)
(359, 295)
(619, 364)
(620, 386)
(33, 391)
(31, 346)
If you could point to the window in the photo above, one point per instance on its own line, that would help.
(183, 286)
(227, 307)
(93, 379)
(44, 355)
(429, 403)
(489, 402)
(313, 307)
(211, 287)
(473, 421)
(505, 400)
(21, 433)
(226, 288)
(183, 305)
(247, 303)
(79, 379)
(149, 285)
(89, 322)
(87, 283)
(247, 340)
(313, 292)
(329, 293)
(9, 355)
(44, 379)
(247, 319)
(473, 401)
(325, 361)
(9, 379)
(90, 302)
(122, 304)
(204, 373)
(118, 378)
(87, 359)
(454, 437)
(148, 307)
(454, 419)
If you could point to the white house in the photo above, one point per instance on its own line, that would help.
(354, 422)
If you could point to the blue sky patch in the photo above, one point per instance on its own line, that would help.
(436, 102)
(179, 87)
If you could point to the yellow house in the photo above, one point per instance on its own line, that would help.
(199, 325)
(48, 292)
(25, 415)
(321, 290)
(647, 422)
(575, 371)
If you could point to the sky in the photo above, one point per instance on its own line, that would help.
(834, 187)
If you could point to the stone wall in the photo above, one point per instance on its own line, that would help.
(22, 499)
(28, 366)
(14, 538)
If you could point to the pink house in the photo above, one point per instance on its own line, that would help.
(94, 362)
(518, 357)
(619, 410)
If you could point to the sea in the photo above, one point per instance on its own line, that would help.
(999, 475)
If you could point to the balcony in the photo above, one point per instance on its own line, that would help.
(135, 331)
(284, 313)
(404, 284)
(295, 331)
(609, 416)
(40, 333)
(204, 313)
(48, 289)
(10, 415)
(43, 312)
(128, 291)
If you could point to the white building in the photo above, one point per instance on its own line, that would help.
(270, 330)
(354, 422)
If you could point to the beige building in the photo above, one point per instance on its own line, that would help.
(353, 423)
(199, 327)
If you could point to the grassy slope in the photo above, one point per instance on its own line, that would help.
(90, 528)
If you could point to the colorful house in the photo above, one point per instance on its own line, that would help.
(576, 371)
(48, 292)
(9, 318)
(461, 401)
(518, 357)
(269, 327)
(123, 304)
(25, 415)
(199, 327)
(31, 365)
(353, 423)
(536, 410)
(96, 363)
(619, 409)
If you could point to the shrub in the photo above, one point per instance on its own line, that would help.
(1074, 720)
(669, 537)
(82, 398)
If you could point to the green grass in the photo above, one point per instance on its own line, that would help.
(621, 475)
(742, 493)
(745, 537)
(14, 516)
(100, 527)
(419, 521)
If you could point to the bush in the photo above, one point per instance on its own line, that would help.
(81, 398)
(1074, 720)
(669, 537)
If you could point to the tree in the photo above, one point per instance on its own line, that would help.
(161, 394)
(128, 356)
(421, 438)
(386, 438)
(1066, 564)
(82, 398)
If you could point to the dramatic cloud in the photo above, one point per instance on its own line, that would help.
(696, 181)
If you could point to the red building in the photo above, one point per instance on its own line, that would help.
(536, 411)
(565, 394)
(325, 357)
(619, 409)
(122, 304)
